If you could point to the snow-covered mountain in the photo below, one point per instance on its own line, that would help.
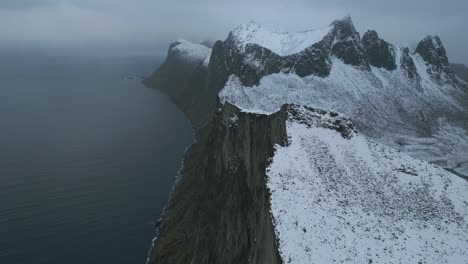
(313, 147)
(411, 101)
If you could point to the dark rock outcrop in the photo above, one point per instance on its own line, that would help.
(316, 117)
(407, 64)
(346, 44)
(219, 211)
(381, 53)
(250, 64)
(254, 62)
(433, 52)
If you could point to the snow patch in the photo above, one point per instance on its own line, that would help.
(281, 43)
(191, 52)
(386, 105)
(351, 200)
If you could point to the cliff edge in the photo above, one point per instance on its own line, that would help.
(219, 210)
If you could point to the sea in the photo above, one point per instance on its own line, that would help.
(88, 155)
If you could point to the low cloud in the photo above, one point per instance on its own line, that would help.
(125, 22)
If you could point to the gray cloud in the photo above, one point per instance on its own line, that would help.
(26, 4)
(128, 22)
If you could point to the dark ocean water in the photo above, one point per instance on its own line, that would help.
(87, 157)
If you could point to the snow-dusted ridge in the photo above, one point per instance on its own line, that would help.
(386, 105)
(282, 43)
(190, 52)
(335, 195)
(342, 198)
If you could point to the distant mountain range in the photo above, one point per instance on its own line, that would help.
(301, 150)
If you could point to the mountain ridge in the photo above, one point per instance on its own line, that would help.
(243, 98)
(424, 77)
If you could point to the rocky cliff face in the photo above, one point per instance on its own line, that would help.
(250, 61)
(407, 64)
(433, 52)
(219, 211)
(346, 44)
(381, 54)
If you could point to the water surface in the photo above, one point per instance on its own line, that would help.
(88, 157)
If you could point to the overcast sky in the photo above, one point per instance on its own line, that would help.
(148, 22)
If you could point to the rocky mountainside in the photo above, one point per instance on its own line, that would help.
(219, 211)
(303, 186)
(339, 197)
(267, 159)
(411, 101)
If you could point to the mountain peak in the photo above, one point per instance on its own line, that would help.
(279, 42)
(344, 25)
(433, 52)
(346, 20)
(381, 54)
(346, 43)
(371, 34)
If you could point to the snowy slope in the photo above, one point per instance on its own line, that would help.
(408, 114)
(346, 89)
(341, 198)
(190, 52)
(282, 43)
(338, 196)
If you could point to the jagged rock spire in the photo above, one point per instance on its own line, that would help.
(381, 53)
(433, 52)
(346, 43)
(407, 64)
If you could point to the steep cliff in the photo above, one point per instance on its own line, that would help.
(219, 211)
(253, 148)
(433, 52)
(381, 53)
(302, 185)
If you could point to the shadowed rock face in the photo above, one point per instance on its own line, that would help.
(254, 62)
(433, 52)
(380, 53)
(347, 44)
(219, 211)
(408, 65)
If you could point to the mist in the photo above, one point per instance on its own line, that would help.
(98, 25)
